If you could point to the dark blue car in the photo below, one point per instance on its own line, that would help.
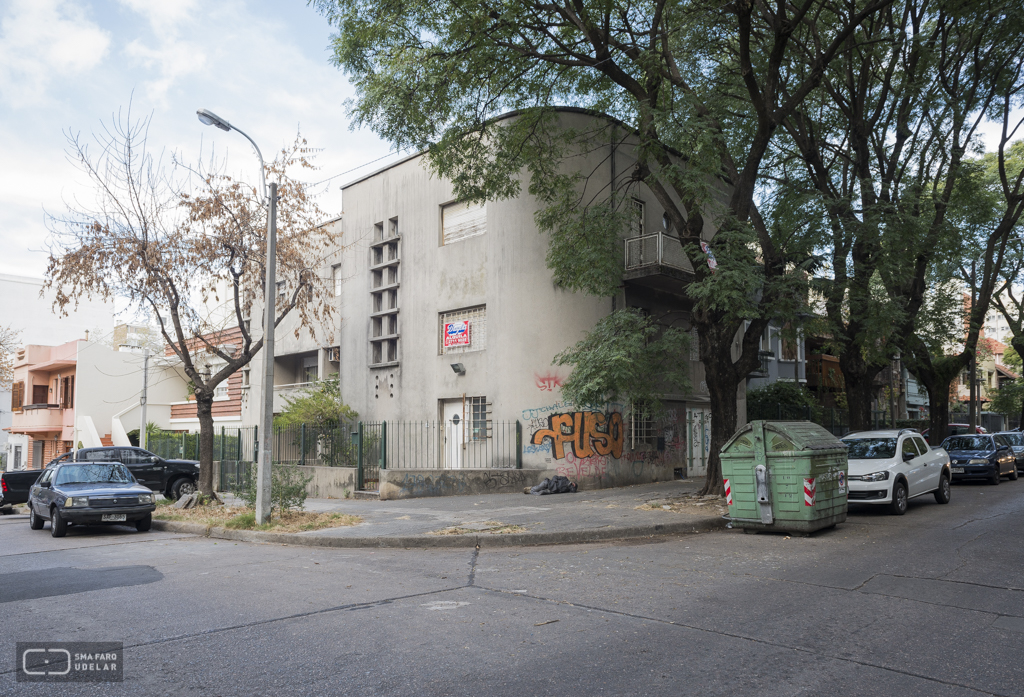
(981, 457)
(89, 493)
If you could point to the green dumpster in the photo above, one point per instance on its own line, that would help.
(788, 476)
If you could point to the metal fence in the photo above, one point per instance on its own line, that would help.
(368, 446)
(447, 445)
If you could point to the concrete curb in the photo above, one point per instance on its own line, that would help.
(567, 537)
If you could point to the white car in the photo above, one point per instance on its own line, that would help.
(889, 468)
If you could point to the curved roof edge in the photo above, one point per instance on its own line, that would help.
(500, 117)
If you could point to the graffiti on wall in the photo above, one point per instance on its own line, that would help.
(547, 382)
(578, 467)
(587, 433)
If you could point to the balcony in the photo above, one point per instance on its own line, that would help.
(282, 393)
(40, 418)
(657, 261)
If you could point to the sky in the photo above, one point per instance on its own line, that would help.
(69, 66)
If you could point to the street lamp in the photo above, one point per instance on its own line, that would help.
(264, 459)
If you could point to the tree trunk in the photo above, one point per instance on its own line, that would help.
(860, 390)
(938, 416)
(722, 377)
(204, 409)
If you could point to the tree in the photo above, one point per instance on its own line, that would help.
(699, 87)
(872, 160)
(320, 406)
(152, 240)
(627, 356)
(10, 340)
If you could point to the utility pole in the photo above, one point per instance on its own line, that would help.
(266, 455)
(143, 399)
(892, 392)
(972, 409)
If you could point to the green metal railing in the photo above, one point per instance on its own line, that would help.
(368, 446)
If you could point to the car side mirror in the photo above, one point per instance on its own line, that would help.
(908, 456)
(45, 484)
(154, 458)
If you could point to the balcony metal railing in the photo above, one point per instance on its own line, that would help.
(656, 249)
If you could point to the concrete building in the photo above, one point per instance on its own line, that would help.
(83, 393)
(783, 358)
(450, 320)
(26, 309)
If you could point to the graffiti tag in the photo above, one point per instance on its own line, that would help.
(587, 432)
(547, 382)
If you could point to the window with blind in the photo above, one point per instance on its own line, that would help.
(17, 396)
(462, 220)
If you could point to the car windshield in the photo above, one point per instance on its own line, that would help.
(968, 443)
(1013, 438)
(94, 474)
(870, 448)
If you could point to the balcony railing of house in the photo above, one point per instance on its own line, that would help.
(657, 249)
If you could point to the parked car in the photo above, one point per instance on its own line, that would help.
(1016, 441)
(89, 493)
(14, 488)
(981, 457)
(172, 478)
(890, 467)
(957, 430)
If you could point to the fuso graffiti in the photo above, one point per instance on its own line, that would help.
(587, 432)
(547, 382)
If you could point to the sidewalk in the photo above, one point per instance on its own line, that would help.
(666, 508)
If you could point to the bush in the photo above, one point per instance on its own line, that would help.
(791, 398)
(287, 488)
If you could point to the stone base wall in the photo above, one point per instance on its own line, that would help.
(418, 483)
(327, 483)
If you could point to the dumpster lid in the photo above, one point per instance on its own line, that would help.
(784, 436)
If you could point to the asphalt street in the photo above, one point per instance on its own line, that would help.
(925, 604)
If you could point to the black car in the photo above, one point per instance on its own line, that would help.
(172, 478)
(1016, 441)
(89, 493)
(981, 457)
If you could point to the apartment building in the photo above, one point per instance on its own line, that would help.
(449, 315)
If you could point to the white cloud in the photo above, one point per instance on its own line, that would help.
(163, 15)
(42, 39)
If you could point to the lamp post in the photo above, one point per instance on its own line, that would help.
(264, 458)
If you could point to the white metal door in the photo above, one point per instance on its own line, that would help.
(454, 432)
(698, 431)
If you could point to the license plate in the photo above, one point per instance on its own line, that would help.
(114, 517)
(958, 470)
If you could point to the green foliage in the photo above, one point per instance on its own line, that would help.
(242, 521)
(287, 488)
(1011, 359)
(627, 356)
(1007, 399)
(791, 396)
(320, 405)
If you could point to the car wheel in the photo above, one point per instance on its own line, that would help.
(942, 493)
(58, 526)
(898, 506)
(182, 487)
(34, 521)
(144, 524)
(1013, 474)
(994, 480)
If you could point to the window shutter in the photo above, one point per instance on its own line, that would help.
(462, 220)
(17, 396)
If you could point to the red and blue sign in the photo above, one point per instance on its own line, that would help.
(456, 333)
